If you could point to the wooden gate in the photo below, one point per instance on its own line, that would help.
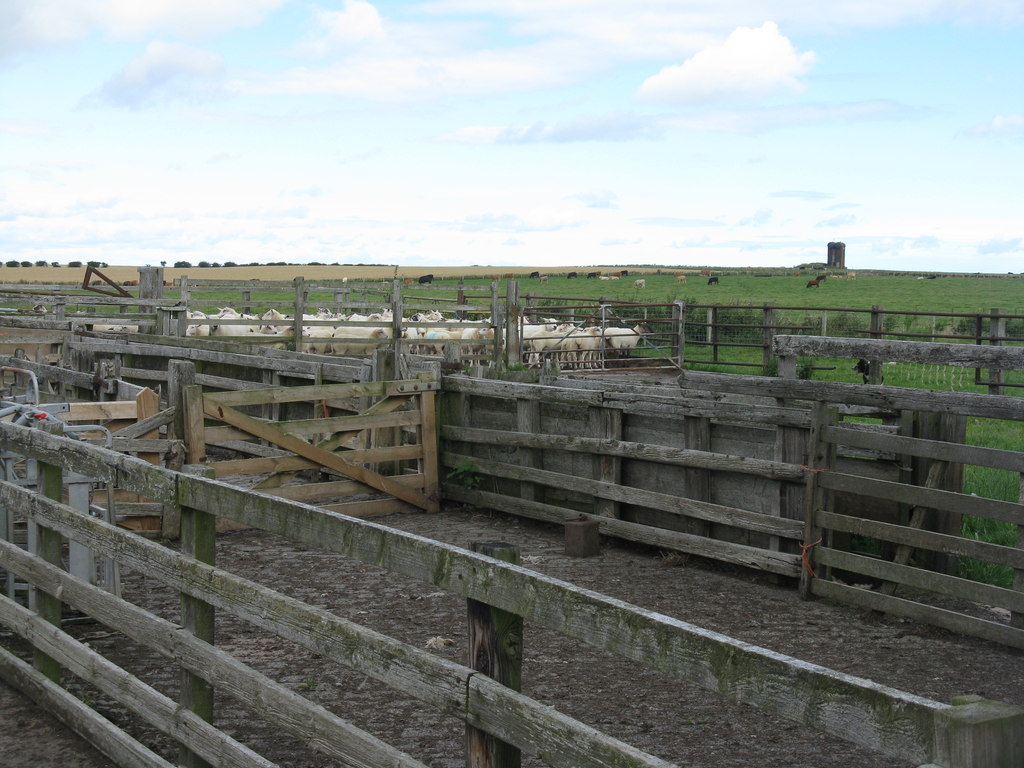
(385, 443)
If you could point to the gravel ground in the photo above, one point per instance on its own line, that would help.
(666, 717)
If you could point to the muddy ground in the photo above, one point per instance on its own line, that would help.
(666, 717)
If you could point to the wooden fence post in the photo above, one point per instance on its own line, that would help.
(679, 331)
(818, 460)
(1017, 617)
(299, 284)
(767, 334)
(496, 649)
(48, 546)
(513, 318)
(997, 332)
(151, 282)
(198, 540)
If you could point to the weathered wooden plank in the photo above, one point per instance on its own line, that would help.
(188, 349)
(49, 372)
(725, 551)
(878, 397)
(355, 423)
(270, 700)
(309, 491)
(919, 578)
(109, 409)
(925, 352)
(695, 508)
(995, 509)
(322, 392)
(937, 542)
(677, 456)
(518, 391)
(932, 449)
(370, 508)
(151, 705)
(143, 426)
(286, 463)
(73, 712)
(926, 614)
(91, 461)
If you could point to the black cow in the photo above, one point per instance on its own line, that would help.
(424, 279)
(571, 275)
(712, 281)
(535, 274)
(863, 367)
(593, 275)
(625, 273)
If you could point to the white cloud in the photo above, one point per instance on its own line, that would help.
(773, 118)
(607, 127)
(31, 24)
(1001, 245)
(164, 71)
(357, 23)
(751, 62)
(1001, 125)
(759, 218)
(844, 220)
(598, 199)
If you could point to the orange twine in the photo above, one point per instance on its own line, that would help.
(805, 555)
(805, 468)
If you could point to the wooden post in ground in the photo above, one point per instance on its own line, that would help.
(48, 546)
(198, 540)
(679, 331)
(818, 460)
(496, 649)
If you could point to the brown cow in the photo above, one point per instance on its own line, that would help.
(813, 283)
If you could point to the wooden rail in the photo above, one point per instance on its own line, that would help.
(868, 713)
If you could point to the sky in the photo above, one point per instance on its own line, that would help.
(514, 132)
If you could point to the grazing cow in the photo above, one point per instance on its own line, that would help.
(931, 277)
(640, 283)
(712, 281)
(680, 278)
(797, 273)
(821, 278)
(705, 273)
(863, 367)
(571, 275)
(851, 275)
(544, 279)
(534, 274)
(425, 279)
(813, 283)
(624, 273)
(592, 275)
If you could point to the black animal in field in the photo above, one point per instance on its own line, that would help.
(863, 367)
(425, 279)
(712, 281)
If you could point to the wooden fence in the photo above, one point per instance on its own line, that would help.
(735, 468)
(681, 335)
(970, 734)
(927, 527)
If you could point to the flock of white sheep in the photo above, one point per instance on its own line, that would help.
(330, 333)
